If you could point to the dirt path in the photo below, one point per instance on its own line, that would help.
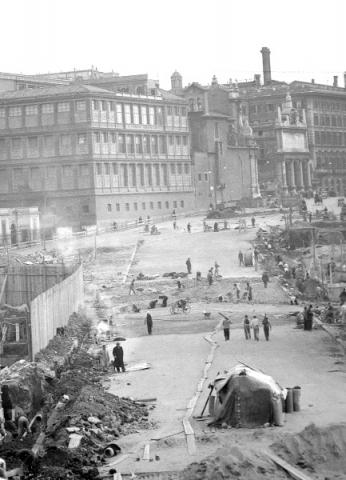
(301, 358)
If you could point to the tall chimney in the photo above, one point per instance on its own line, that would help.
(267, 74)
(335, 81)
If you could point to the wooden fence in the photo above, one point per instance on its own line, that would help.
(52, 309)
(25, 282)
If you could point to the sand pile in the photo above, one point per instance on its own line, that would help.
(233, 463)
(321, 451)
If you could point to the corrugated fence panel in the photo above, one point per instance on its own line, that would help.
(53, 308)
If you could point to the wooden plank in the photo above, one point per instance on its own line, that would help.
(3, 287)
(191, 444)
(146, 452)
(187, 427)
(293, 471)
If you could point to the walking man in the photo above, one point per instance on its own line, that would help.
(265, 279)
(189, 227)
(188, 265)
(226, 326)
(266, 326)
(247, 329)
(149, 322)
(132, 287)
(241, 258)
(255, 326)
(118, 354)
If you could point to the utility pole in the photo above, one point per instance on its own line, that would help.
(313, 248)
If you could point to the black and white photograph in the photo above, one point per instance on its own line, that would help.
(172, 240)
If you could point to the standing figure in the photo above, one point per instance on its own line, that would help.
(188, 265)
(241, 258)
(216, 227)
(247, 329)
(342, 296)
(217, 271)
(226, 326)
(188, 226)
(265, 279)
(118, 354)
(210, 277)
(149, 321)
(249, 291)
(309, 318)
(253, 221)
(266, 326)
(132, 287)
(236, 291)
(174, 225)
(255, 326)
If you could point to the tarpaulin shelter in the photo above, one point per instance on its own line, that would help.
(247, 398)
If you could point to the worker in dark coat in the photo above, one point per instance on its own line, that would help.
(342, 297)
(188, 265)
(118, 354)
(266, 326)
(309, 318)
(149, 322)
(265, 279)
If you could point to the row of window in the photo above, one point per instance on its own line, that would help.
(330, 106)
(113, 168)
(104, 142)
(143, 144)
(262, 108)
(330, 138)
(141, 114)
(330, 120)
(143, 205)
(330, 162)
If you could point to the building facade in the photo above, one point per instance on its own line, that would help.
(222, 147)
(325, 115)
(87, 155)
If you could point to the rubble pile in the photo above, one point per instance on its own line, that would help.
(28, 384)
(244, 464)
(80, 418)
(320, 451)
(78, 328)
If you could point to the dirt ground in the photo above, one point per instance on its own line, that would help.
(177, 351)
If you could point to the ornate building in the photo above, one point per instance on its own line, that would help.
(88, 155)
(294, 168)
(222, 147)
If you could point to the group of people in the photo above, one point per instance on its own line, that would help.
(249, 325)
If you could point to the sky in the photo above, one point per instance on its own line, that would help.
(199, 38)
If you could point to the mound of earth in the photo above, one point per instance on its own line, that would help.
(233, 463)
(321, 451)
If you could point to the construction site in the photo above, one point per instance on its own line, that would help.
(232, 336)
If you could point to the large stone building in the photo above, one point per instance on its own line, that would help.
(325, 108)
(222, 147)
(95, 151)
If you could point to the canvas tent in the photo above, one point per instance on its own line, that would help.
(246, 398)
